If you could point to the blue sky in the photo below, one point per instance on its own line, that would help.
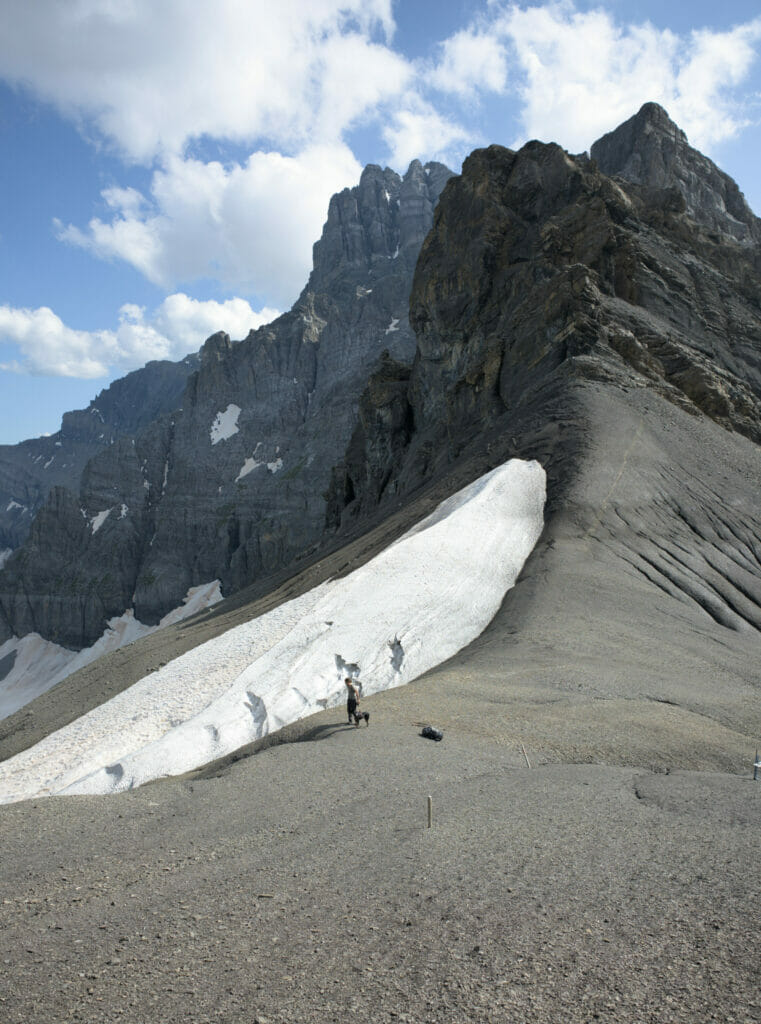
(166, 166)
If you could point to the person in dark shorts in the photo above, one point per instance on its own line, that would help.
(352, 702)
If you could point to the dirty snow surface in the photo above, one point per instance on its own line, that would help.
(413, 606)
(37, 665)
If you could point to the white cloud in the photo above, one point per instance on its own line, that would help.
(151, 76)
(285, 80)
(470, 60)
(356, 79)
(250, 227)
(288, 82)
(48, 346)
(185, 320)
(705, 105)
(178, 326)
(419, 131)
(582, 73)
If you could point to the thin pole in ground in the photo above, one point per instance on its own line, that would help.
(430, 811)
(525, 755)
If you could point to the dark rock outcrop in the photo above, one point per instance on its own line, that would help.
(649, 149)
(29, 470)
(547, 281)
(232, 484)
(541, 274)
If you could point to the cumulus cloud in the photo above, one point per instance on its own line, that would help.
(179, 325)
(151, 76)
(250, 227)
(47, 345)
(470, 60)
(287, 83)
(419, 131)
(573, 100)
(284, 81)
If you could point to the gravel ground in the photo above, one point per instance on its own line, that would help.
(616, 879)
(303, 884)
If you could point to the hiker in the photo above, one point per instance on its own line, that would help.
(352, 700)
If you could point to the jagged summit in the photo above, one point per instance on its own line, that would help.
(650, 149)
(385, 217)
(542, 272)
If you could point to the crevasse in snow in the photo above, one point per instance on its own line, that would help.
(413, 606)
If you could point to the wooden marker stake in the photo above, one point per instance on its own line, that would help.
(430, 811)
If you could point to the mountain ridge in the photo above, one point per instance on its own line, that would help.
(123, 408)
(588, 277)
(541, 271)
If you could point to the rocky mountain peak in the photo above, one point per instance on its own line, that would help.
(384, 217)
(649, 149)
(543, 275)
(215, 348)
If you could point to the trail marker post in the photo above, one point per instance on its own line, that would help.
(430, 811)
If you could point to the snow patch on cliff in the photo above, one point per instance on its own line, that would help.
(253, 463)
(225, 424)
(99, 519)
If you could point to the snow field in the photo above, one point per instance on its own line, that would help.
(410, 608)
(39, 664)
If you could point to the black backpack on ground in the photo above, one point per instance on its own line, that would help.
(432, 734)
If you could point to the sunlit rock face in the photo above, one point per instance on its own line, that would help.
(235, 475)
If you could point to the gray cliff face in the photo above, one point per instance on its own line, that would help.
(232, 484)
(543, 276)
(29, 470)
(649, 149)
